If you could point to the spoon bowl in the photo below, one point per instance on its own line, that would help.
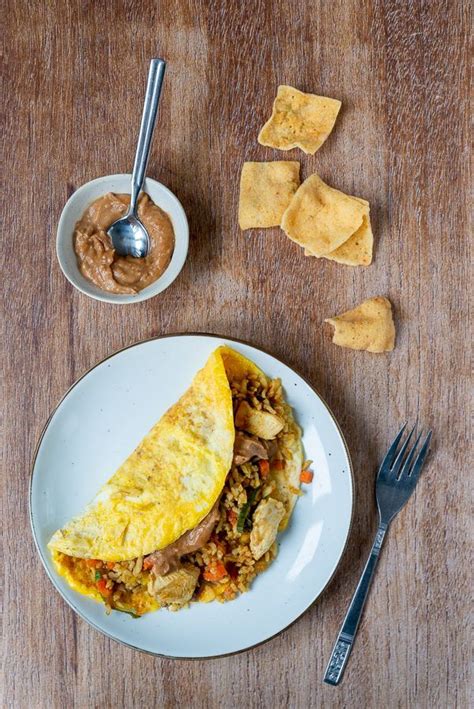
(129, 237)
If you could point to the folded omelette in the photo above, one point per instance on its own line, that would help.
(193, 512)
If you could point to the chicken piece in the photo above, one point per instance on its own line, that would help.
(246, 448)
(176, 587)
(272, 449)
(259, 423)
(266, 520)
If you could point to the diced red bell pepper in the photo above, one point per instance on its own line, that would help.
(215, 571)
(306, 476)
(103, 590)
(264, 467)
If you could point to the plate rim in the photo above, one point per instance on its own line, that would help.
(30, 494)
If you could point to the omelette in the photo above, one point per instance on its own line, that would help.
(193, 513)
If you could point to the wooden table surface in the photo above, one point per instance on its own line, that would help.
(74, 74)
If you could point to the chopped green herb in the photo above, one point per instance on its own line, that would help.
(97, 576)
(244, 510)
(243, 519)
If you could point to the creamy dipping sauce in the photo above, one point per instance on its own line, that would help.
(96, 256)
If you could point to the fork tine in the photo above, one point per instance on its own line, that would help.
(420, 459)
(392, 451)
(395, 469)
(407, 464)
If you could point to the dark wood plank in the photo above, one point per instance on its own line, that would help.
(74, 74)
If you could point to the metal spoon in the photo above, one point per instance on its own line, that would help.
(129, 236)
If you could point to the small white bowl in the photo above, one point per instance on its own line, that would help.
(75, 208)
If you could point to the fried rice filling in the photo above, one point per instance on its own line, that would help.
(220, 557)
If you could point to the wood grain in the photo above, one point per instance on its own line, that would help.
(74, 74)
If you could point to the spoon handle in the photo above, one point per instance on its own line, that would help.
(150, 108)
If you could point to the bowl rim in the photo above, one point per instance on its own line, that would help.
(169, 275)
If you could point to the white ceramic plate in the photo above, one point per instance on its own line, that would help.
(101, 420)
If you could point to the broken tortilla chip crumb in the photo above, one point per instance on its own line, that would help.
(369, 326)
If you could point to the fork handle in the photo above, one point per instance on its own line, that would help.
(347, 634)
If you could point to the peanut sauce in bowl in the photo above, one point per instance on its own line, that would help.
(97, 259)
(85, 251)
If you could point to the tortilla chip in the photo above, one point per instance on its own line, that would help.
(369, 326)
(299, 120)
(357, 250)
(266, 189)
(321, 218)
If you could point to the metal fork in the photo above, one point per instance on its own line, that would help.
(396, 481)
